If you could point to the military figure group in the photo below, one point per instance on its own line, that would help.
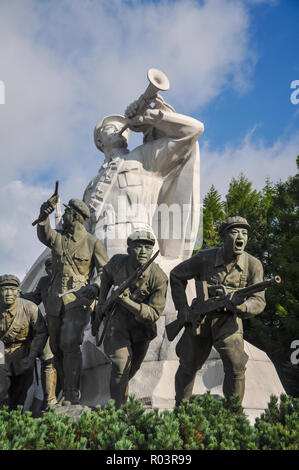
(79, 279)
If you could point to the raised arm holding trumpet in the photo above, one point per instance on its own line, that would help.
(147, 176)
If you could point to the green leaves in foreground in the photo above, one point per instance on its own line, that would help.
(201, 423)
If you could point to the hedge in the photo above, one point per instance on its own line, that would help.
(200, 423)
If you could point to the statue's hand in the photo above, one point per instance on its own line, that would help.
(90, 292)
(236, 303)
(46, 209)
(161, 105)
(132, 110)
(124, 297)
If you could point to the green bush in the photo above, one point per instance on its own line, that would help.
(200, 423)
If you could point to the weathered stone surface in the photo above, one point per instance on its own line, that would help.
(74, 411)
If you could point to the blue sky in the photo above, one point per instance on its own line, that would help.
(275, 39)
(67, 63)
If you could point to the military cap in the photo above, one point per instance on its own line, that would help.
(9, 280)
(79, 206)
(113, 119)
(141, 235)
(235, 221)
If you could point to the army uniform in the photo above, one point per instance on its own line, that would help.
(222, 329)
(48, 371)
(75, 257)
(128, 336)
(24, 333)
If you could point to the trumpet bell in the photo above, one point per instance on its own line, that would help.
(158, 79)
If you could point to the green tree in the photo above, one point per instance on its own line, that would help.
(213, 214)
(247, 202)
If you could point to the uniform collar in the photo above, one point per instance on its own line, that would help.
(219, 261)
(79, 233)
(11, 310)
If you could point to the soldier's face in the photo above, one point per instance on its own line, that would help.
(8, 295)
(140, 252)
(109, 136)
(235, 241)
(68, 218)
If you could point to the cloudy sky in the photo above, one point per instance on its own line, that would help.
(66, 63)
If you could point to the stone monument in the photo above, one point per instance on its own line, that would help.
(154, 187)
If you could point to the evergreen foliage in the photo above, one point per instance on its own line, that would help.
(200, 423)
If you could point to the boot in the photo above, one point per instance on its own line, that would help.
(72, 367)
(49, 380)
(71, 397)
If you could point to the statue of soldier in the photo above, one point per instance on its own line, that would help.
(48, 371)
(228, 266)
(76, 254)
(133, 325)
(131, 185)
(24, 333)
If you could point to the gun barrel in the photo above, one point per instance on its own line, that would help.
(260, 286)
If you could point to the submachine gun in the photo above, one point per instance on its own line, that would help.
(109, 306)
(52, 201)
(199, 309)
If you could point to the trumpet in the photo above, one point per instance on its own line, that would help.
(158, 82)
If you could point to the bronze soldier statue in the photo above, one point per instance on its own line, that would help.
(217, 270)
(48, 371)
(76, 254)
(24, 333)
(132, 327)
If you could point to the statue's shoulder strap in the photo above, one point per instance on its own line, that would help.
(69, 257)
(244, 274)
(9, 330)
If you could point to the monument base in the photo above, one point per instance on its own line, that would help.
(154, 382)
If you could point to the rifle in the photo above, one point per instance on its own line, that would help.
(201, 308)
(52, 200)
(109, 304)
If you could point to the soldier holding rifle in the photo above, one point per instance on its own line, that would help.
(132, 325)
(76, 254)
(217, 270)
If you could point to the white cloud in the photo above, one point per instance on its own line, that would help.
(66, 63)
(19, 206)
(252, 157)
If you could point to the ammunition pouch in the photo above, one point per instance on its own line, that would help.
(72, 282)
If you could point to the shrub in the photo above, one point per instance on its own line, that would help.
(200, 423)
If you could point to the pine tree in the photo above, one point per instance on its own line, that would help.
(213, 215)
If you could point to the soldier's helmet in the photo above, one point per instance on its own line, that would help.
(141, 235)
(235, 221)
(117, 119)
(79, 206)
(9, 280)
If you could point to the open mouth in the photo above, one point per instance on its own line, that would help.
(239, 244)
